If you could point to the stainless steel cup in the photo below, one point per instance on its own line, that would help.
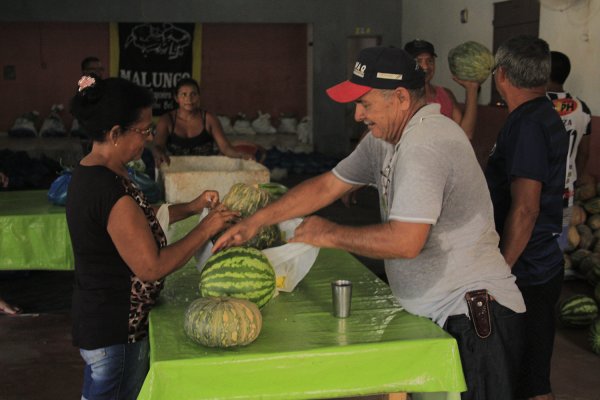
(341, 292)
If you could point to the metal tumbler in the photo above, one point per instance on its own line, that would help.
(341, 292)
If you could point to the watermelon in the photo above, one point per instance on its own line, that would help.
(594, 336)
(471, 61)
(275, 190)
(240, 272)
(578, 311)
(247, 199)
(222, 321)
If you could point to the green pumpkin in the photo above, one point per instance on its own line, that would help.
(248, 199)
(471, 61)
(222, 321)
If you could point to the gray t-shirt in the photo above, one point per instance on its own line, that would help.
(432, 176)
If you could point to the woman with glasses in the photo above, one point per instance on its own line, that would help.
(424, 54)
(120, 250)
(189, 130)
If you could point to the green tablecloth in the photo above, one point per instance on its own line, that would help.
(33, 232)
(303, 351)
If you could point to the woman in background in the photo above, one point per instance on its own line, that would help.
(120, 249)
(424, 54)
(189, 130)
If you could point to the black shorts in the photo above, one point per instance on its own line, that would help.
(489, 365)
(534, 376)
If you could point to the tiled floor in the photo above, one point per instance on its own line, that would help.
(37, 360)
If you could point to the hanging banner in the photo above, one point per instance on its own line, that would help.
(156, 56)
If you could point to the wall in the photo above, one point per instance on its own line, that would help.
(331, 22)
(265, 69)
(575, 31)
(439, 23)
(47, 60)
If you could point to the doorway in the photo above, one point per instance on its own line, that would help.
(512, 18)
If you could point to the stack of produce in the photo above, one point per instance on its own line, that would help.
(582, 258)
(236, 282)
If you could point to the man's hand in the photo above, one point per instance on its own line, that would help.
(237, 235)
(468, 85)
(315, 231)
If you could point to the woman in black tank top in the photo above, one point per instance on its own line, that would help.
(189, 130)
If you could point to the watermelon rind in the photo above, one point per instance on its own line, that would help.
(594, 336)
(471, 61)
(239, 272)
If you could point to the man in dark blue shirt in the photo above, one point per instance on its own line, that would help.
(526, 177)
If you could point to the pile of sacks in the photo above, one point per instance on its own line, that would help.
(25, 126)
(262, 124)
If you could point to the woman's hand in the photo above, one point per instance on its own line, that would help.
(208, 199)
(160, 156)
(247, 156)
(218, 219)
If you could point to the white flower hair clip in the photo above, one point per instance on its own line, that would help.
(86, 82)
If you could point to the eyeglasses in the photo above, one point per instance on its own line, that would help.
(144, 132)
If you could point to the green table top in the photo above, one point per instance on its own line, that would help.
(33, 232)
(303, 351)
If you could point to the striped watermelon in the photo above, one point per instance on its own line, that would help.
(595, 336)
(240, 272)
(222, 321)
(578, 311)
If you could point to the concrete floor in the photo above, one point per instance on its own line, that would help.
(38, 362)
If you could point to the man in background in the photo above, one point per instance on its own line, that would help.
(92, 65)
(526, 178)
(577, 118)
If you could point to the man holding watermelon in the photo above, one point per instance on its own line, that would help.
(424, 54)
(437, 232)
(526, 178)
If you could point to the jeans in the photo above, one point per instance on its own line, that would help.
(115, 372)
(490, 365)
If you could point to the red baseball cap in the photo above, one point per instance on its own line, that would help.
(379, 68)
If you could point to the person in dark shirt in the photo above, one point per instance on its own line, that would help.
(526, 177)
(190, 131)
(120, 249)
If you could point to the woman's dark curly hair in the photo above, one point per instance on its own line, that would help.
(109, 102)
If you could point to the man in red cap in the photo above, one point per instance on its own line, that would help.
(437, 233)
